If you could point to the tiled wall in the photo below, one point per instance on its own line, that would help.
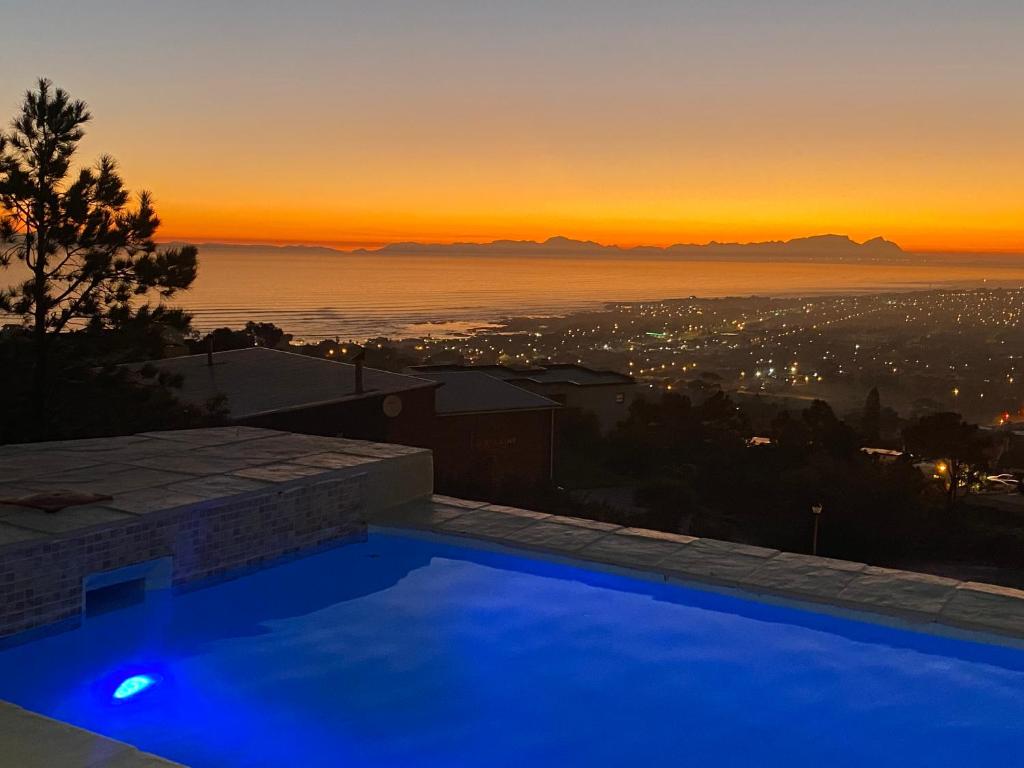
(41, 583)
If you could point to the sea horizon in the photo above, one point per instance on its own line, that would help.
(317, 295)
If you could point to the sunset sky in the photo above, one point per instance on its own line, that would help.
(632, 122)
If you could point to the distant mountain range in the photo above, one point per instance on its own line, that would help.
(819, 246)
(816, 248)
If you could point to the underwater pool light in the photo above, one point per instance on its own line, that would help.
(134, 685)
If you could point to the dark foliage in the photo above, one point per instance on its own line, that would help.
(959, 445)
(693, 472)
(88, 286)
(871, 419)
(88, 252)
(92, 396)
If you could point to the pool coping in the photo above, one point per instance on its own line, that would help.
(31, 740)
(916, 601)
(213, 500)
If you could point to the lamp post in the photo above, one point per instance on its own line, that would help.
(816, 511)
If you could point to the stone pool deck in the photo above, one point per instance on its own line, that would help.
(916, 600)
(28, 740)
(182, 506)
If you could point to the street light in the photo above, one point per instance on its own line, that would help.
(816, 511)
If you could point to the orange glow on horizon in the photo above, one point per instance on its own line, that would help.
(930, 208)
(648, 122)
(329, 234)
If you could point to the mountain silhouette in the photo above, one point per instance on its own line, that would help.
(818, 246)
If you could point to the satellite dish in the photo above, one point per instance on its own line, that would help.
(392, 406)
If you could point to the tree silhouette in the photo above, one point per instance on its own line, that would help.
(826, 431)
(88, 250)
(948, 437)
(871, 419)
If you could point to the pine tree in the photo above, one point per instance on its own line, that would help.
(88, 249)
(871, 419)
(957, 447)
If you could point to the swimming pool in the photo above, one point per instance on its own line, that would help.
(411, 652)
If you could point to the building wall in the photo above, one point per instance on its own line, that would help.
(603, 400)
(482, 451)
(362, 419)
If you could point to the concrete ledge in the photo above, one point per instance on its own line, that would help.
(212, 500)
(28, 740)
(919, 601)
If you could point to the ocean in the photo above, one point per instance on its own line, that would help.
(315, 293)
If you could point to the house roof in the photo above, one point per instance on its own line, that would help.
(477, 392)
(258, 380)
(567, 373)
(555, 373)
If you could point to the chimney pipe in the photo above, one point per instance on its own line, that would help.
(358, 361)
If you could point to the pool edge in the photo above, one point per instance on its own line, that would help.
(31, 740)
(901, 599)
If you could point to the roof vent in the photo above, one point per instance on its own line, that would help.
(358, 360)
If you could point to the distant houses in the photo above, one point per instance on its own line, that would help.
(488, 426)
(269, 388)
(488, 433)
(606, 394)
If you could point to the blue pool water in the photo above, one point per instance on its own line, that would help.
(403, 652)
